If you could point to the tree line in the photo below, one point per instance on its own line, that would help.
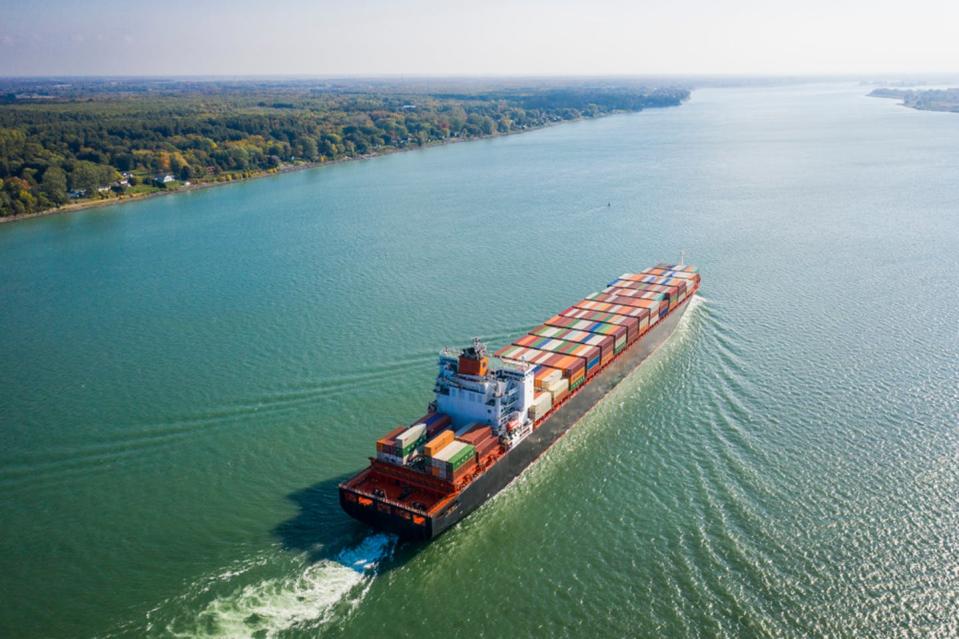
(59, 142)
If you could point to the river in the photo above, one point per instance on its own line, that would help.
(186, 379)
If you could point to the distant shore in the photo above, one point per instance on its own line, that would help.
(946, 100)
(284, 168)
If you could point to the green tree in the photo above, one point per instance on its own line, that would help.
(54, 185)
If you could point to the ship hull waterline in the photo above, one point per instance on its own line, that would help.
(514, 462)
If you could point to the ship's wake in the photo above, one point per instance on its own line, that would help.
(308, 598)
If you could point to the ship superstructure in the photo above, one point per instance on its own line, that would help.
(487, 422)
(471, 393)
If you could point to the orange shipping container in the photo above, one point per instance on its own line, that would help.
(387, 440)
(438, 443)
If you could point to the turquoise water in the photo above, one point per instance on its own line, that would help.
(186, 379)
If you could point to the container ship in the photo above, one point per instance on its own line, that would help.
(489, 422)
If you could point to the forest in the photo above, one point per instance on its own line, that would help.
(64, 140)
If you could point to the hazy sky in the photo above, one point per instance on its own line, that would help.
(50, 37)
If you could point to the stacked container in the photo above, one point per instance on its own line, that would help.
(435, 445)
(683, 283)
(385, 446)
(618, 331)
(543, 375)
(483, 439)
(551, 381)
(592, 355)
(641, 314)
(453, 461)
(573, 368)
(678, 270)
(542, 402)
(605, 343)
(434, 422)
(674, 294)
(401, 443)
(626, 297)
(632, 324)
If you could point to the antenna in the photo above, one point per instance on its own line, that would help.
(479, 347)
(682, 257)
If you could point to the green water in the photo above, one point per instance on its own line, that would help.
(183, 382)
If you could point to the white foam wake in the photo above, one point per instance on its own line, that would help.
(271, 606)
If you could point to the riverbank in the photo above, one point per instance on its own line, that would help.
(284, 168)
(140, 137)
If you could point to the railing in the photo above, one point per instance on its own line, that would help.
(386, 500)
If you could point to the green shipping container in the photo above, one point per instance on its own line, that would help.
(463, 456)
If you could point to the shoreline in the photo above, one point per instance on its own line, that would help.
(288, 168)
(284, 168)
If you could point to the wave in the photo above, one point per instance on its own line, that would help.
(312, 596)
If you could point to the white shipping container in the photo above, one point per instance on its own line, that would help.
(541, 404)
(411, 434)
(450, 450)
(558, 386)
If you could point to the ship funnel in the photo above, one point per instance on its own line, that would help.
(473, 360)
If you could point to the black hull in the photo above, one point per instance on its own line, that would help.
(513, 463)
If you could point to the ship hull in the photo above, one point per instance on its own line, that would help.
(514, 462)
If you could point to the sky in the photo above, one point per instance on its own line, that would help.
(481, 37)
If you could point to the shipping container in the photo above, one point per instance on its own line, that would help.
(453, 453)
(559, 390)
(452, 457)
(631, 323)
(657, 272)
(606, 343)
(678, 286)
(543, 375)
(576, 349)
(683, 283)
(407, 441)
(624, 299)
(558, 385)
(434, 422)
(639, 293)
(487, 447)
(542, 402)
(388, 438)
(569, 365)
(684, 270)
(477, 434)
(618, 331)
(674, 294)
(437, 443)
(642, 315)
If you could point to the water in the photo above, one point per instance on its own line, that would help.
(185, 380)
